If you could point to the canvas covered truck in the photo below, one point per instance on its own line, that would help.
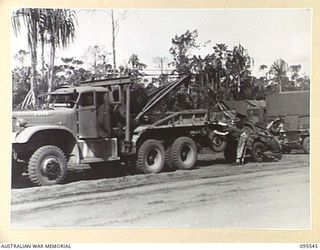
(293, 107)
(92, 124)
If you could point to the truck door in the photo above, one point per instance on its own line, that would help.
(87, 121)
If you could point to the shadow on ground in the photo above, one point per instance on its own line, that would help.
(84, 172)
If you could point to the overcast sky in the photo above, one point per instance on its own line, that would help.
(267, 34)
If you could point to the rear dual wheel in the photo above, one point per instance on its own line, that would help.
(150, 158)
(182, 154)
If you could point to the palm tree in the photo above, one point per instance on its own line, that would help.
(61, 31)
(263, 68)
(135, 66)
(240, 64)
(279, 70)
(219, 68)
(31, 18)
(42, 38)
(58, 24)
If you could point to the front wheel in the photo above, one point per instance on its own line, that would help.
(257, 151)
(150, 158)
(183, 153)
(47, 166)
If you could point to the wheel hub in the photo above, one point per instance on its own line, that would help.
(186, 154)
(216, 141)
(51, 167)
(153, 158)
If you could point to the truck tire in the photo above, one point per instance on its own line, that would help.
(47, 166)
(167, 159)
(306, 145)
(257, 150)
(183, 153)
(150, 158)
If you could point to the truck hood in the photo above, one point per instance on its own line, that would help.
(61, 117)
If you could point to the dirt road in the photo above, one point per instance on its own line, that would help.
(263, 195)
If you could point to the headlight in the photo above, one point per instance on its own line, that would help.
(18, 123)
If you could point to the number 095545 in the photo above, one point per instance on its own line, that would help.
(309, 246)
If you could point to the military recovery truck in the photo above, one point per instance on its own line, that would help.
(92, 124)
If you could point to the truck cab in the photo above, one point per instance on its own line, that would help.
(71, 125)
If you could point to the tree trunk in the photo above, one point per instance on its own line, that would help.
(42, 56)
(51, 67)
(33, 80)
(280, 85)
(239, 78)
(30, 98)
(113, 43)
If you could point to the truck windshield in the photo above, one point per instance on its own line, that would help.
(60, 100)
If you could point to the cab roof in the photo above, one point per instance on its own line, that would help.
(70, 90)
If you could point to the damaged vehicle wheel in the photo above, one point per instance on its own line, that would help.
(257, 151)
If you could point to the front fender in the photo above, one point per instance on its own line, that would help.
(138, 132)
(25, 135)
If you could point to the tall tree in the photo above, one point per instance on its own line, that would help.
(263, 68)
(279, 72)
(239, 66)
(220, 70)
(181, 49)
(160, 61)
(134, 67)
(31, 18)
(20, 78)
(42, 38)
(295, 70)
(115, 24)
(61, 31)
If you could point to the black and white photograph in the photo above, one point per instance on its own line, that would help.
(160, 118)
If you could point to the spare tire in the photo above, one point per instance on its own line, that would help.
(217, 142)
